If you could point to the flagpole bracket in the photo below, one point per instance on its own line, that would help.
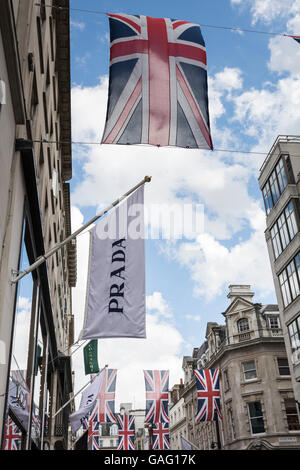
(14, 273)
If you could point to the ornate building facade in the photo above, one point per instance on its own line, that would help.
(257, 399)
(36, 320)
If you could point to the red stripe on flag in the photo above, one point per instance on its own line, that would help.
(194, 107)
(159, 82)
(136, 46)
(188, 52)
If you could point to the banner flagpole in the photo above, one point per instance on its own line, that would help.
(57, 247)
(89, 383)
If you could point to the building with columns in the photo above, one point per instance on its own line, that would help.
(257, 398)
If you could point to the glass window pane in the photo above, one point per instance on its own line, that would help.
(285, 290)
(291, 219)
(274, 187)
(276, 241)
(284, 235)
(267, 198)
(281, 175)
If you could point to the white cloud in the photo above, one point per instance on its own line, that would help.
(213, 267)
(157, 303)
(77, 25)
(196, 318)
(269, 10)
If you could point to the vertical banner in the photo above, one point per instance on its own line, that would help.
(115, 303)
(87, 404)
(90, 355)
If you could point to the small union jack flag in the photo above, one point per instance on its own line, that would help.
(94, 429)
(157, 83)
(297, 38)
(12, 435)
(157, 386)
(106, 397)
(161, 438)
(126, 431)
(208, 394)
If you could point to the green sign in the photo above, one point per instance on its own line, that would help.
(90, 354)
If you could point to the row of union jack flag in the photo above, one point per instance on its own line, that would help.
(157, 411)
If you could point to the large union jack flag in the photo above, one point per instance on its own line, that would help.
(157, 386)
(126, 430)
(106, 397)
(12, 435)
(208, 394)
(161, 438)
(157, 83)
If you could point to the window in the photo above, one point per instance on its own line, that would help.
(284, 229)
(292, 415)
(283, 366)
(231, 424)
(289, 281)
(294, 334)
(114, 430)
(273, 322)
(276, 242)
(249, 370)
(226, 380)
(285, 290)
(243, 325)
(275, 185)
(256, 417)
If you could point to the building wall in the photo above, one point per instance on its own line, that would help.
(36, 70)
(282, 146)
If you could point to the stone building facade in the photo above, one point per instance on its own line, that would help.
(36, 320)
(177, 416)
(279, 182)
(257, 399)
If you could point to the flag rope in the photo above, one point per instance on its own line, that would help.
(247, 152)
(230, 28)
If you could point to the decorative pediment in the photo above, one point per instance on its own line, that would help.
(238, 305)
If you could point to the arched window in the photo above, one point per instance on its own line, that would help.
(243, 325)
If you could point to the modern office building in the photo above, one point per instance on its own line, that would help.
(280, 185)
(258, 405)
(36, 320)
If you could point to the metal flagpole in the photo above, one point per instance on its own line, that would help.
(57, 247)
(89, 383)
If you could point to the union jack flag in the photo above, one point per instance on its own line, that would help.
(12, 435)
(297, 38)
(157, 386)
(161, 438)
(157, 83)
(126, 431)
(94, 429)
(106, 397)
(208, 394)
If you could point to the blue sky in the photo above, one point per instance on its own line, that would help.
(254, 95)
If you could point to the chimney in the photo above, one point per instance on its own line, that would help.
(238, 290)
